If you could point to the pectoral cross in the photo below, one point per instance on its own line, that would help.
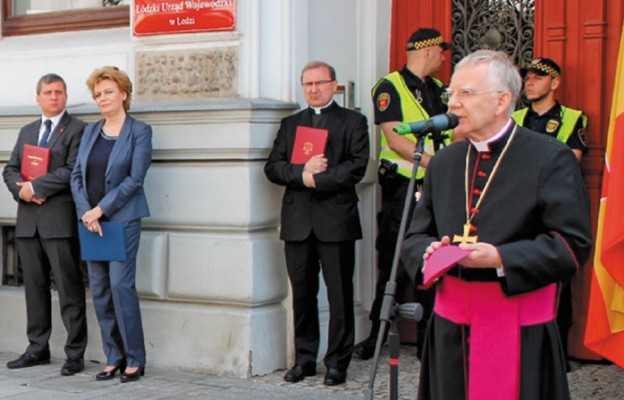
(465, 238)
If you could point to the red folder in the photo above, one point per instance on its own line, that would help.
(35, 161)
(441, 260)
(308, 142)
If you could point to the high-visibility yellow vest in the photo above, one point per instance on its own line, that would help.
(569, 119)
(412, 111)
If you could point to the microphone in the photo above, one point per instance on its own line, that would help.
(438, 122)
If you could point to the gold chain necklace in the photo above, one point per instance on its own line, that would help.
(466, 238)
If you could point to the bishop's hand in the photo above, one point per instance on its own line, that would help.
(445, 241)
(482, 255)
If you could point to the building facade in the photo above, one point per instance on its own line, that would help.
(211, 273)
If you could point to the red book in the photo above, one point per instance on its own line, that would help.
(35, 161)
(308, 142)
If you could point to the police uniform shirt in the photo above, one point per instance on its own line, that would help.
(427, 92)
(550, 124)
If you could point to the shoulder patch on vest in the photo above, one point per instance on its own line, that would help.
(582, 137)
(383, 101)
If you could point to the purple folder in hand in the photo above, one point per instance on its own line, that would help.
(441, 260)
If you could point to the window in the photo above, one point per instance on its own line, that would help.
(23, 17)
(11, 266)
(11, 270)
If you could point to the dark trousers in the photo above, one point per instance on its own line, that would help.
(40, 257)
(304, 260)
(116, 304)
(388, 223)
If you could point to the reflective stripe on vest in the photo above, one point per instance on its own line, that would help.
(412, 111)
(569, 118)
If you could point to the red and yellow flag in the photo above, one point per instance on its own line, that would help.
(604, 333)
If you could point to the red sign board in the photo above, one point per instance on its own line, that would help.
(153, 17)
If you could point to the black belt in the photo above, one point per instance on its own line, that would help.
(405, 181)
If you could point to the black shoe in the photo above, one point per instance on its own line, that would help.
(334, 377)
(28, 360)
(298, 372)
(366, 348)
(132, 376)
(72, 366)
(105, 375)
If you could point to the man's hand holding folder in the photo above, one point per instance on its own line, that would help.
(309, 142)
(439, 258)
(440, 261)
(27, 194)
(35, 162)
(308, 149)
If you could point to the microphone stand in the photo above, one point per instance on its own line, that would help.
(389, 308)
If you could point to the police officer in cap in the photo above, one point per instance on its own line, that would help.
(546, 115)
(408, 95)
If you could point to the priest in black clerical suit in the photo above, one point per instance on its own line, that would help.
(320, 221)
(517, 201)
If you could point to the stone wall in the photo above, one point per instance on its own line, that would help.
(210, 268)
(186, 74)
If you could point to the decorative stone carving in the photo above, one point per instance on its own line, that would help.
(187, 74)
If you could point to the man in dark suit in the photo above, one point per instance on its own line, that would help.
(46, 230)
(320, 221)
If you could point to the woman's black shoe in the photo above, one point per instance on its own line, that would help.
(106, 375)
(132, 376)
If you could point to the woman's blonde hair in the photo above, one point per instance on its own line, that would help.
(116, 75)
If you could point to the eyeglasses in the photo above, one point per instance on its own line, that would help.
(463, 94)
(310, 85)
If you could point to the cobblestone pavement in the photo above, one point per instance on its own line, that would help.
(587, 381)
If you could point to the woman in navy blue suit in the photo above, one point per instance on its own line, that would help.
(107, 185)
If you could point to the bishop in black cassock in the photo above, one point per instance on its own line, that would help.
(523, 194)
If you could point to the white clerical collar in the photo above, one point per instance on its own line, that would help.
(484, 146)
(318, 110)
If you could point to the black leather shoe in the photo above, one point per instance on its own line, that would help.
(72, 366)
(132, 376)
(28, 360)
(334, 377)
(366, 348)
(105, 375)
(299, 372)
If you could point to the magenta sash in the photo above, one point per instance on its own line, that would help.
(495, 321)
